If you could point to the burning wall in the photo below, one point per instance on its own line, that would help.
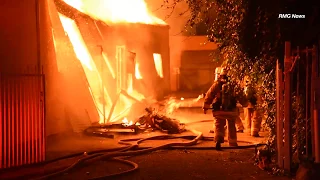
(129, 57)
(150, 46)
(75, 79)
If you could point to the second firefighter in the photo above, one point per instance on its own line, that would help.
(222, 99)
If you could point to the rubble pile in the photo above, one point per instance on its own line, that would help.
(157, 121)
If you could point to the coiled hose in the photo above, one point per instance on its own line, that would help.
(133, 149)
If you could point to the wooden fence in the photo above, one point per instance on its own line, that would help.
(298, 81)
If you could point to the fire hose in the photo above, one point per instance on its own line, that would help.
(124, 152)
(132, 149)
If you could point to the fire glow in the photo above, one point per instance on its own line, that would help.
(126, 122)
(110, 11)
(77, 42)
(137, 71)
(92, 74)
(85, 58)
(117, 11)
(158, 64)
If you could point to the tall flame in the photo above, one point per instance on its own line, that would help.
(132, 11)
(137, 71)
(158, 64)
(80, 47)
(117, 11)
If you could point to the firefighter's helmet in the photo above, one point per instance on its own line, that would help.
(220, 71)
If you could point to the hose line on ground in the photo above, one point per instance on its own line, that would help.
(124, 152)
(133, 148)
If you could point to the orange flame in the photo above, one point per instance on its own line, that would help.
(74, 34)
(137, 71)
(172, 104)
(109, 65)
(117, 11)
(91, 72)
(158, 64)
(126, 122)
(132, 11)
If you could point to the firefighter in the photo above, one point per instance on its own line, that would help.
(222, 100)
(251, 113)
(239, 124)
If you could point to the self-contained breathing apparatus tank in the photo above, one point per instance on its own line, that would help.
(226, 100)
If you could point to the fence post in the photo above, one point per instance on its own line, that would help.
(315, 104)
(279, 117)
(287, 107)
(297, 74)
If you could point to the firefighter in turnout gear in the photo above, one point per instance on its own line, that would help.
(222, 100)
(239, 124)
(251, 113)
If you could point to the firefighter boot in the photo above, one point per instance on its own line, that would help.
(220, 124)
(219, 140)
(218, 146)
(232, 133)
(239, 125)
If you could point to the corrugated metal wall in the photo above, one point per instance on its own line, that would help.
(22, 119)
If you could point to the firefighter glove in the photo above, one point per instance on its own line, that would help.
(205, 108)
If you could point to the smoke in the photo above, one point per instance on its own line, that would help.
(172, 104)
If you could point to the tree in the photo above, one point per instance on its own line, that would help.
(247, 33)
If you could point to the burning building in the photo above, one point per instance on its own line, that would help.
(117, 53)
(98, 57)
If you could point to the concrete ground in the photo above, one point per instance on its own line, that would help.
(162, 164)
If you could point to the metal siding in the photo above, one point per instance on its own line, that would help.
(22, 136)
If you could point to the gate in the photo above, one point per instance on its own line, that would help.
(22, 119)
(298, 84)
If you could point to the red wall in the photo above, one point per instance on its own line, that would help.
(19, 50)
(18, 46)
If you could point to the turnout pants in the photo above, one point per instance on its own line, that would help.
(221, 118)
(253, 121)
(239, 123)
